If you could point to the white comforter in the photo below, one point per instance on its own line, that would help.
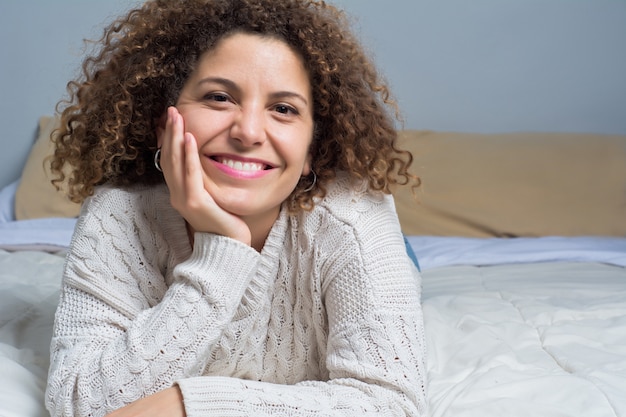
(541, 339)
(29, 292)
(513, 339)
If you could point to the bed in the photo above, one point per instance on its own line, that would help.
(521, 241)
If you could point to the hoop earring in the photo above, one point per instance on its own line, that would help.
(157, 160)
(310, 187)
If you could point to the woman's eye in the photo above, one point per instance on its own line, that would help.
(284, 109)
(216, 97)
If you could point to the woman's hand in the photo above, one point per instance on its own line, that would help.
(185, 178)
(166, 403)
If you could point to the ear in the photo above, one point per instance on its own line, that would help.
(160, 128)
(306, 168)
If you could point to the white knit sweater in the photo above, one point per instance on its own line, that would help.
(325, 321)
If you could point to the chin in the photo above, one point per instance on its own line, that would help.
(249, 202)
(238, 204)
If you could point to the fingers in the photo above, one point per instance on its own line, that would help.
(193, 178)
(179, 160)
(173, 157)
(172, 147)
(183, 171)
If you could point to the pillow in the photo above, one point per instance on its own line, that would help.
(517, 184)
(7, 202)
(36, 197)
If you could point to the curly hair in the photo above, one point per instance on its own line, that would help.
(108, 124)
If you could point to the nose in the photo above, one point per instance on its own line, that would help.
(249, 126)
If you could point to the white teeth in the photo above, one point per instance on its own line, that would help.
(242, 166)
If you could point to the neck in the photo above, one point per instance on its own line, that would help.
(260, 227)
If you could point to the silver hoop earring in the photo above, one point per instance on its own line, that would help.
(310, 187)
(157, 160)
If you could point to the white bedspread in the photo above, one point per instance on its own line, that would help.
(539, 339)
(535, 338)
(29, 293)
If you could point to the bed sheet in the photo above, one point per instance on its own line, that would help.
(45, 234)
(434, 251)
(49, 234)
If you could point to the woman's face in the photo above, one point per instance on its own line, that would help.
(249, 106)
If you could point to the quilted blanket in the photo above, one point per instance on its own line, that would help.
(514, 339)
(539, 339)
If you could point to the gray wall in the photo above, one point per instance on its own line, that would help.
(40, 51)
(503, 65)
(477, 66)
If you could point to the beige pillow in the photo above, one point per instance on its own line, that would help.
(36, 197)
(522, 184)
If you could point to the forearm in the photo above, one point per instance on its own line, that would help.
(103, 359)
(371, 374)
(374, 359)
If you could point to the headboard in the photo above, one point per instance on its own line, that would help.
(518, 184)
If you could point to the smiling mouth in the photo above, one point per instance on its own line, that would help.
(245, 166)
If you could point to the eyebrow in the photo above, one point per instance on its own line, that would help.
(232, 85)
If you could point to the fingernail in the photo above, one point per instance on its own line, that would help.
(174, 117)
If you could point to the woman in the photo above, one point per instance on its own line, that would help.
(238, 252)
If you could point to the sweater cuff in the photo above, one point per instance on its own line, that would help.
(220, 397)
(221, 266)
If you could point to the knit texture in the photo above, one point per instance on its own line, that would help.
(325, 321)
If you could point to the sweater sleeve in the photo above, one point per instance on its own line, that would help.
(375, 353)
(121, 332)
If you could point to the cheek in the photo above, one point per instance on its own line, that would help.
(191, 118)
(295, 148)
(204, 124)
(308, 159)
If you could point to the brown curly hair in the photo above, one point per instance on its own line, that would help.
(108, 124)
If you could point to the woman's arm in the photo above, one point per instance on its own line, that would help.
(375, 351)
(166, 403)
(117, 339)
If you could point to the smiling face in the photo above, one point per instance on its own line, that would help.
(249, 105)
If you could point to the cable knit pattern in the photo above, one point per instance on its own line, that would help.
(325, 321)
